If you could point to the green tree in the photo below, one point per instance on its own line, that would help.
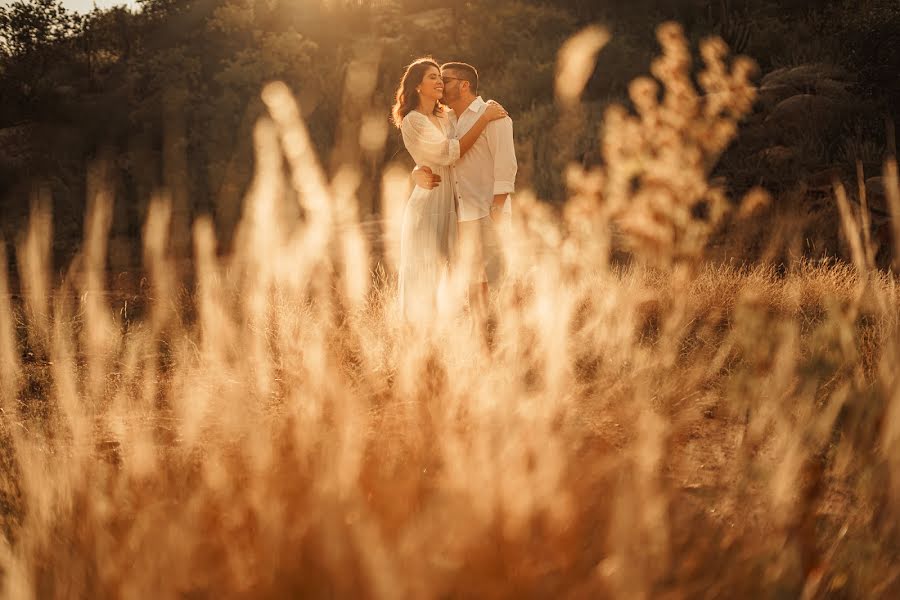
(35, 39)
(35, 26)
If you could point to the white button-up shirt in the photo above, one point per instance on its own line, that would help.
(488, 168)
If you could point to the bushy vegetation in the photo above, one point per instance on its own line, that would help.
(171, 91)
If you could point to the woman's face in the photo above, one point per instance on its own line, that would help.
(432, 86)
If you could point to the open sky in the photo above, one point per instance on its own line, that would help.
(84, 6)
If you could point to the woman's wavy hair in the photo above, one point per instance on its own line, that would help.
(407, 98)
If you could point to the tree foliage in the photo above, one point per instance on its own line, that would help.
(117, 78)
(34, 25)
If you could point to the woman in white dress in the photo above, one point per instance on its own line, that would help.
(428, 232)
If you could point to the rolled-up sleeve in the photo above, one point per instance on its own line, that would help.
(500, 140)
(426, 143)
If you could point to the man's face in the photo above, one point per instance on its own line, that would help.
(452, 84)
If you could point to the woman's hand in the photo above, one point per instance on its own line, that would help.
(494, 111)
(425, 178)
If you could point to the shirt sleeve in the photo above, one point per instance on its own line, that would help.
(500, 141)
(426, 143)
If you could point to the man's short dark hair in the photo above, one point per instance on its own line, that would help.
(466, 71)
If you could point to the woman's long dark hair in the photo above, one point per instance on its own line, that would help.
(407, 98)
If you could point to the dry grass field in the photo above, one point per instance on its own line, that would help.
(667, 428)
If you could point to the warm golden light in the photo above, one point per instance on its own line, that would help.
(262, 421)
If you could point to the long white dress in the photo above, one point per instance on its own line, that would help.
(428, 233)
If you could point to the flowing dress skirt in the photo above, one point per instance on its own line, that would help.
(427, 245)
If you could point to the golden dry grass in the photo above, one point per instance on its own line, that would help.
(667, 429)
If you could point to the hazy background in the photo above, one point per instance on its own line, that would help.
(169, 95)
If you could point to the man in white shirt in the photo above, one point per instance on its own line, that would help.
(484, 178)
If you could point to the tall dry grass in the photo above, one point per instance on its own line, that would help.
(666, 429)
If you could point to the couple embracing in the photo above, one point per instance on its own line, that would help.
(465, 171)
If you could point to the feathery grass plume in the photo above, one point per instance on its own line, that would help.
(99, 331)
(10, 367)
(34, 261)
(576, 61)
(655, 184)
(158, 263)
(892, 191)
(851, 229)
(575, 65)
(865, 215)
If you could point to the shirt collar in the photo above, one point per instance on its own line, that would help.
(477, 105)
